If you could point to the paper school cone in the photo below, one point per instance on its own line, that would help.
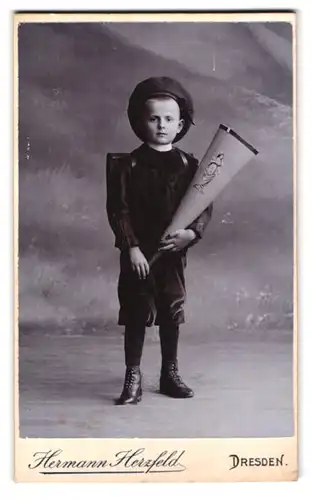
(227, 154)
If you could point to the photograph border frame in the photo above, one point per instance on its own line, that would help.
(206, 459)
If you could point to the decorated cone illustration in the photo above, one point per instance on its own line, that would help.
(227, 154)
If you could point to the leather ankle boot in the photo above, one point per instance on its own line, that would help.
(171, 383)
(132, 389)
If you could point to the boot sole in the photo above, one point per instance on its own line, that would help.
(174, 396)
(124, 403)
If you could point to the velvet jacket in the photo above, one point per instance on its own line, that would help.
(144, 189)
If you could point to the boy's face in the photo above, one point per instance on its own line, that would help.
(161, 121)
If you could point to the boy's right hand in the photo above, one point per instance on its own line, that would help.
(138, 262)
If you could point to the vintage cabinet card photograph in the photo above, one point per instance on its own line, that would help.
(155, 247)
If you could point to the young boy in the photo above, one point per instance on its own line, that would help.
(144, 189)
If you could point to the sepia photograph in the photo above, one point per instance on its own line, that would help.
(156, 229)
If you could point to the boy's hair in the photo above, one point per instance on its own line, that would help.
(160, 87)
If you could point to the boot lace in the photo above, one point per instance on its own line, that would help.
(130, 377)
(176, 377)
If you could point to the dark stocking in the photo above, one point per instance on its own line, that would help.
(133, 344)
(169, 336)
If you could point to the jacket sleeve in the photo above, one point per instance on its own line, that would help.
(118, 169)
(200, 223)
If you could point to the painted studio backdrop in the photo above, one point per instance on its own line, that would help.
(74, 84)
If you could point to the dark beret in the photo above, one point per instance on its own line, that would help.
(160, 86)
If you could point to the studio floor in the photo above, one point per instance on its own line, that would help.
(243, 385)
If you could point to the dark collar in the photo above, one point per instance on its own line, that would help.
(153, 157)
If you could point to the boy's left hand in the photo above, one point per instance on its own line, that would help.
(178, 240)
